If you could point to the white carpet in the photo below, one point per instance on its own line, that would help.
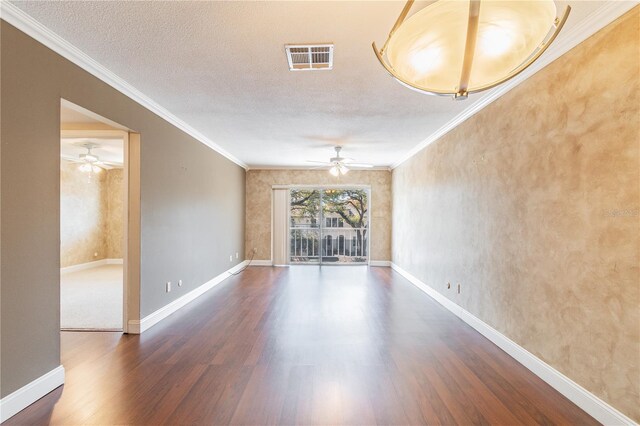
(91, 299)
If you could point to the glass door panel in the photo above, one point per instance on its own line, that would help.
(345, 225)
(304, 226)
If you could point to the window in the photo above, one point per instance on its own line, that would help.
(334, 222)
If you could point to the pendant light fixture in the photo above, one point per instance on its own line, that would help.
(458, 47)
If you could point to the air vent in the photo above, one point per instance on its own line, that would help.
(309, 57)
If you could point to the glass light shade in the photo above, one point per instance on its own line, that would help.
(334, 171)
(428, 48)
(89, 168)
(343, 169)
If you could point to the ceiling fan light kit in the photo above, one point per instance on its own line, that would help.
(90, 161)
(339, 166)
(338, 170)
(89, 168)
(458, 47)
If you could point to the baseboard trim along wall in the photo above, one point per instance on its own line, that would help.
(262, 263)
(594, 406)
(139, 326)
(30, 393)
(386, 263)
(89, 265)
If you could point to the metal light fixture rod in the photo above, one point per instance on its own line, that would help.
(469, 49)
(399, 21)
(463, 89)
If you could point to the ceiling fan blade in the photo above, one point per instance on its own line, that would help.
(320, 162)
(110, 163)
(99, 163)
(71, 158)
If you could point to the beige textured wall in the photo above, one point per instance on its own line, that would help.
(91, 215)
(532, 205)
(83, 206)
(115, 213)
(258, 205)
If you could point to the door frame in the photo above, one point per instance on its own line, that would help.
(131, 219)
(320, 187)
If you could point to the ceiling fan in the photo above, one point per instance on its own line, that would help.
(90, 162)
(341, 165)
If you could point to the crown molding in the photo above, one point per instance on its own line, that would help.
(593, 23)
(15, 16)
(314, 168)
(597, 20)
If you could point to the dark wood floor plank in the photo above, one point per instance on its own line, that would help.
(300, 345)
(530, 389)
(500, 386)
(493, 409)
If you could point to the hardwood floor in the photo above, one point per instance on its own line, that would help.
(300, 345)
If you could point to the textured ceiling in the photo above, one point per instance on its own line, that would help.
(221, 67)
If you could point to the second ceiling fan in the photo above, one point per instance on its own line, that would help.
(341, 165)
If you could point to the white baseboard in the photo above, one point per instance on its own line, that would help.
(270, 263)
(238, 266)
(386, 263)
(89, 265)
(594, 406)
(139, 326)
(261, 263)
(30, 393)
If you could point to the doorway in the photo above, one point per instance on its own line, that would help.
(94, 221)
(329, 225)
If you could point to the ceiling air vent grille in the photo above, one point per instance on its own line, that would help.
(309, 57)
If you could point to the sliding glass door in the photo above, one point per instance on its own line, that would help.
(329, 225)
(304, 227)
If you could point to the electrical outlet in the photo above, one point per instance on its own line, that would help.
(168, 286)
(237, 255)
(179, 283)
(95, 254)
(230, 258)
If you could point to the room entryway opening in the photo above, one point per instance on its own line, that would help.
(329, 225)
(94, 207)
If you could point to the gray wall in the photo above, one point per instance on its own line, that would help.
(192, 202)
